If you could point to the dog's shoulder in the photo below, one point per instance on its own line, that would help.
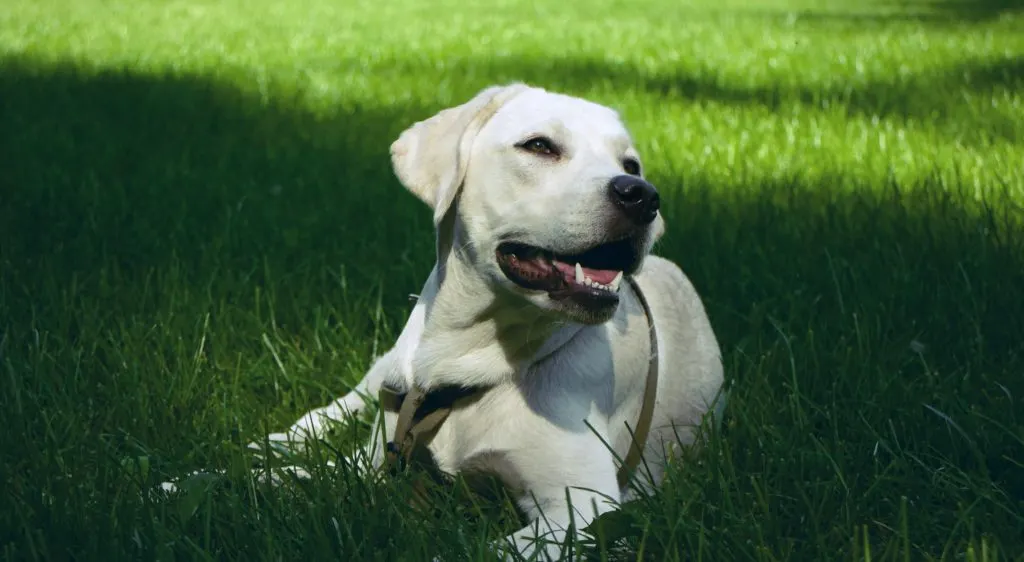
(678, 309)
(663, 280)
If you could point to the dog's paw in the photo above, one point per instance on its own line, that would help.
(314, 424)
(533, 544)
(290, 442)
(279, 444)
(204, 478)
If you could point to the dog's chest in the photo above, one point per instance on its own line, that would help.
(590, 385)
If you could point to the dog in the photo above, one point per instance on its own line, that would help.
(545, 294)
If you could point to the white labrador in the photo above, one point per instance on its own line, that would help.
(541, 209)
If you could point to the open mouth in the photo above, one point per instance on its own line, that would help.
(591, 278)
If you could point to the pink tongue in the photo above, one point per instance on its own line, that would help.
(602, 276)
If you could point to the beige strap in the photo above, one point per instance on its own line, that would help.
(420, 415)
(415, 428)
(643, 422)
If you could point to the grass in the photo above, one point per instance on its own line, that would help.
(201, 238)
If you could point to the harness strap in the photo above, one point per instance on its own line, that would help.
(421, 413)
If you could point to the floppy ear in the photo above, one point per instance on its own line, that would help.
(430, 157)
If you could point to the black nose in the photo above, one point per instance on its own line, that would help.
(638, 199)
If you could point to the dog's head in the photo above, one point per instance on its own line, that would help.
(541, 194)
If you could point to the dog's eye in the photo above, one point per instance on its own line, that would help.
(540, 145)
(632, 167)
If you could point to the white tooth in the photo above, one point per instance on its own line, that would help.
(590, 281)
(579, 273)
(614, 285)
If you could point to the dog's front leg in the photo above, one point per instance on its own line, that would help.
(545, 536)
(365, 460)
(588, 488)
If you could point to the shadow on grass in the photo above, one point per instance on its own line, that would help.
(977, 9)
(133, 207)
(873, 341)
(936, 15)
(857, 16)
(929, 11)
(929, 100)
(873, 347)
(111, 168)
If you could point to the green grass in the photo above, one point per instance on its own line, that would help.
(201, 238)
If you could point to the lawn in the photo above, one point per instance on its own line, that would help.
(201, 238)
